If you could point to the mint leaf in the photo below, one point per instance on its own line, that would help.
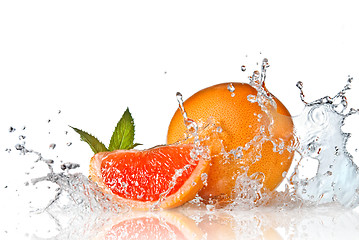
(124, 134)
(95, 145)
(135, 145)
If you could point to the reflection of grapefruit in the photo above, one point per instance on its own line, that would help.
(226, 226)
(146, 225)
(141, 178)
(220, 225)
(240, 121)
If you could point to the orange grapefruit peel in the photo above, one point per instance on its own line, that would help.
(240, 121)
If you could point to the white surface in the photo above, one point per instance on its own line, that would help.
(92, 59)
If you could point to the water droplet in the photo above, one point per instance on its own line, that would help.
(252, 98)
(19, 147)
(204, 178)
(265, 65)
(69, 143)
(8, 150)
(12, 129)
(230, 87)
(319, 150)
(238, 154)
(59, 112)
(21, 137)
(210, 207)
(191, 126)
(299, 84)
(52, 146)
(255, 79)
(336, 151)
(48, 161)
(49, 120)
(243, 68)
(284, 174)
(312, 147)
(69, 166)
(180, 102)
(219, 129)
(179, 95)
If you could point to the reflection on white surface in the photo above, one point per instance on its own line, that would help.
(329, 222)
(66, 220)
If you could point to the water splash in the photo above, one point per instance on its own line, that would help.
(319, 130)
(75, 189)
(231, 89)
(199, 150)
(319, 140)
(191, 125)
(300, 87)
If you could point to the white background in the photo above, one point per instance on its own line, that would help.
(92, 59)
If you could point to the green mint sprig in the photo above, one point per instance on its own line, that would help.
(122, 137)
(95, 145)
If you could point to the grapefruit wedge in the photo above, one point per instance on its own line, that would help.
(160, 177)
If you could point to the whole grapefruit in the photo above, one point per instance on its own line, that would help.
(254, 138)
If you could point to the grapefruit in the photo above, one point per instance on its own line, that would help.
(160, 177)
(254, 139)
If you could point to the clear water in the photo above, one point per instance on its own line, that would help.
(315, 201)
